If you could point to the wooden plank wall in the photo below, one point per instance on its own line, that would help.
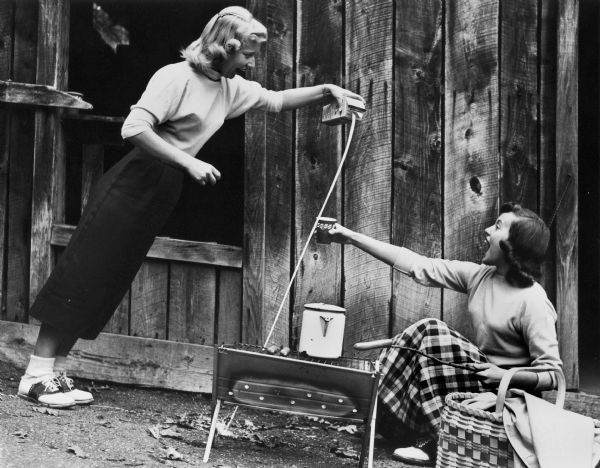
(470, 103)
(469, 89)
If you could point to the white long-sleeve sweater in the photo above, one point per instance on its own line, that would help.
(513, 326)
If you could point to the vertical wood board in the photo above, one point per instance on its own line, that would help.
(318, 152)
(192, 297)
(368, 181)
(230, 307)
(417, 164)
(149, 293)
(567, 248)
(548, 56)
(49, 146)
(471, 168)
(519, 102)
(268, 184)
(21, 166)
(6, 36)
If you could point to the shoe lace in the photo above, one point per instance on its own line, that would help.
(67, 381)
(51, 384)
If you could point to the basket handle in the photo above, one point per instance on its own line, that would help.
(503, 387)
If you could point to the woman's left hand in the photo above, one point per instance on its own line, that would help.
(489, 373)
(339, 93)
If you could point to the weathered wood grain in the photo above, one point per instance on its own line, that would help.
(567, 247)
(39, 95)
(417, 183)
(6, 37)
(471, 167)
(92, 168)
(547, 146)
(229, 315)
(368, 178)
(318, 153)
(49, 147)
(192, 301)
(119, 322)
(149, 293)
(20, 167)
(122, 359)
(268, 184)
(519, 102)
(172, 249)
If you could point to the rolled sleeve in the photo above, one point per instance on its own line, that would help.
(246, 95)
(159, 102)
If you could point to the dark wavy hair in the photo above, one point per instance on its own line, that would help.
(525, 248)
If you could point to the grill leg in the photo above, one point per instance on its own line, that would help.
(211, 433)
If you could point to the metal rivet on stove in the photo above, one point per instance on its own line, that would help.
(323, 406)
(308, 395)
(246, 387)
(355, 410)
(292, 402)
(261, 398)
(340, 400)
(230, 393)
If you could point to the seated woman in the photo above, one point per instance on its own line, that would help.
(512, 318)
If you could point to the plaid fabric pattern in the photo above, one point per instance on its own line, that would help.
(413, 387)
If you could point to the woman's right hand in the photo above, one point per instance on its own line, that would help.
(202, 172)
(339, 234)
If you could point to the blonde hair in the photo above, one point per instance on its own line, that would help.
(228, 30)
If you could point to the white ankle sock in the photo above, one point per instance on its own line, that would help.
(39, 366)
(60, 364)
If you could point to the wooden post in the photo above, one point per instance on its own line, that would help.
(49, 158)
(20, 166)
(567, 264)
(519, 103)
(417, 184)
(318, 152)
(368, 179)
(471, 176)
(268, 184)
(6, 37)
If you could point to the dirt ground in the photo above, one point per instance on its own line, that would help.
(129, 426)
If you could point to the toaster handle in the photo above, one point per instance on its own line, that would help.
(363, 346)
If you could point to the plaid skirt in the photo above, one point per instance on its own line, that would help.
(413, 387)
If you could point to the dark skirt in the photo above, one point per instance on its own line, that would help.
(413, 387)
(129, 206)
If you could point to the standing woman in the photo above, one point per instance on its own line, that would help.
(183, 105)
(512, 318)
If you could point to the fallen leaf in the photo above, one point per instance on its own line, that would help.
(20, 434)
(171, 454)
(77, 451)
(223, 431)
(154, 431)
(44, 410)
(347, 452)
(350, 429)
(170, 433)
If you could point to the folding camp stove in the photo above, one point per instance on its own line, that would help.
(343, 388)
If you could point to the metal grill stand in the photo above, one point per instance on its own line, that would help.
(343, 389)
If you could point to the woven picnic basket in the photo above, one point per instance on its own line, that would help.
(475, 438)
